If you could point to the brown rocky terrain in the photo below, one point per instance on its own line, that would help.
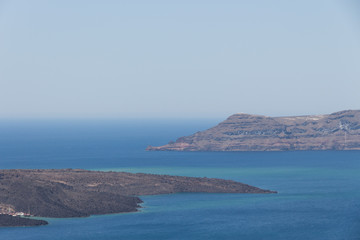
(245, 132)
(80, 193)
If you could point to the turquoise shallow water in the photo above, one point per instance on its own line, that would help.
(319, 196)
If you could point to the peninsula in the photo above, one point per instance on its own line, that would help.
(80, 193)
(245, 132)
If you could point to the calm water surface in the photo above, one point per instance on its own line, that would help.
(319, 196)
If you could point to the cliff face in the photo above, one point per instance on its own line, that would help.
(80, 193)
(245, 132)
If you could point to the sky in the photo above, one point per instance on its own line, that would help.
(178, 59)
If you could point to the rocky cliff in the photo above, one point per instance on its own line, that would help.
(245, 132)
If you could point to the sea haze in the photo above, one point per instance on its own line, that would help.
(319, 192)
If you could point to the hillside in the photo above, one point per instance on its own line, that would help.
(245, 132)
(80, 193)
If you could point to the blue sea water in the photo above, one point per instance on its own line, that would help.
(319, 192)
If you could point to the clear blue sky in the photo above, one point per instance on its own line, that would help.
(78, 59)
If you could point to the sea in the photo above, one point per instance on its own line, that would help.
(318, 191)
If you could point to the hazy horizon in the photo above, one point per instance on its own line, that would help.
(219, 117)
(184, 59)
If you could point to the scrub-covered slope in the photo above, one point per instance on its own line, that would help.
(80, 193)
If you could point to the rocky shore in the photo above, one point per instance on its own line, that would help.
(246, 132)
(81, 193)
(17, 221)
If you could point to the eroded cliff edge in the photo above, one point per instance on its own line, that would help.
(80, 193)
(245, 132)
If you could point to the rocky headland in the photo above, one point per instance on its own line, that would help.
(245, 132)
(80, 193)
(7, 220)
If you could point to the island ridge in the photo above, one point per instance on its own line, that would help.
(81, 193)
(245, 132)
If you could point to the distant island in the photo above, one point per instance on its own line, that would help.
(80, 193)
(245, 132)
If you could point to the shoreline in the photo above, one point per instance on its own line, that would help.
(69, 193)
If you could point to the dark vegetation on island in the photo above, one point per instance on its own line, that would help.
(245, 132)
(80, 193)
(7, 220)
